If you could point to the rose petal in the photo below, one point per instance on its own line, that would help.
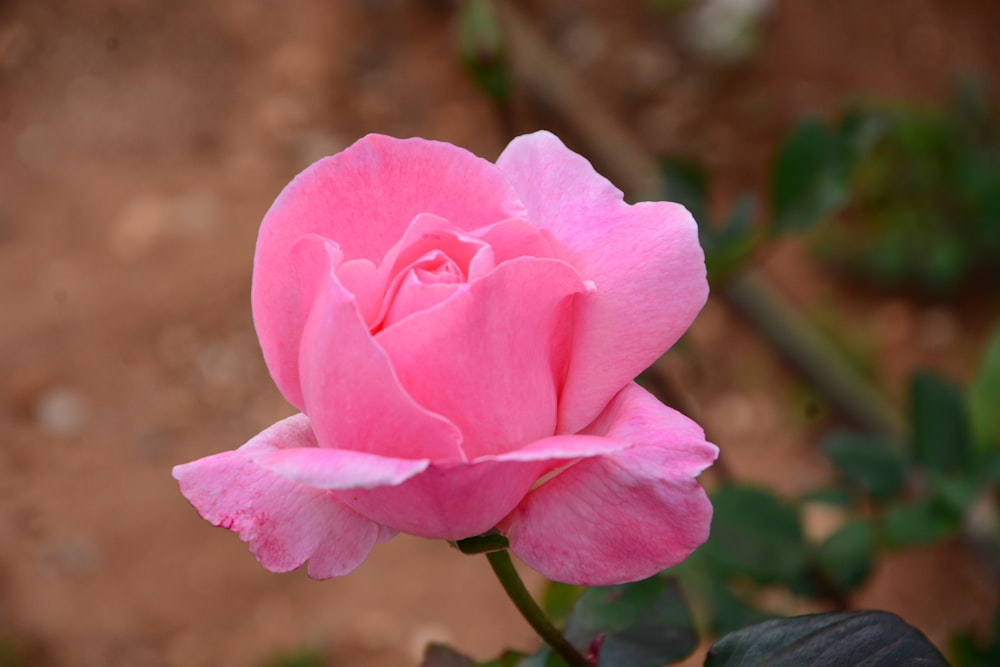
(363, 198)
(511, 239)
(351, 393)
(415, 294)
(428, 233)
(452, 502)
(285, 523)
(491, 358)
(645, 260)
(624, 516)
(340, 469)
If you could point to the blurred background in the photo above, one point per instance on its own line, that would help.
(842, 155)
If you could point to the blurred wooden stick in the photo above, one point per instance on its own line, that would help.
(628, 163)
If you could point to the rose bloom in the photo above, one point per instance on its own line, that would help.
(460, 338)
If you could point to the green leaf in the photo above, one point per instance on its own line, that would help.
(513, 659)
(809, 179)
(544, 658)
(957, 493)
(858, 638)
(482, 49)
(966, 651)
(755, 534)
(643, 624)
(439, 655)
(686, 182)
(867, 462)
(984, 398)
(729, 247)
(835, 497)
(941, 439)
(860, 130)
(927, 521)
(731, 612)
(847, 556)
(559, 598)
(726, 245)
(301, 658)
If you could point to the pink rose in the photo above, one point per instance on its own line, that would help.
(461, 338)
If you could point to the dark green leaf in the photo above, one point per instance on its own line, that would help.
(731, 612)
(860, 129)
(729, 247)
(846, 557)
(439, 655)
(301, 658)
(867, 462)
(559, 598)
(686, 183)
(512, 659)
(858, 638)
(643, 624)
(956, 493)
(967, 651)
(984, 397)
(755, 534)
(836, 497)
(809, 179)
(940, 431)
(482, 49)
(544, 658)
(927, 521)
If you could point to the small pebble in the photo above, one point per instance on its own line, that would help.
(938, 329)
(149, 221)
(71, 556)
(61, 412)
(821, 520)
(424, 635)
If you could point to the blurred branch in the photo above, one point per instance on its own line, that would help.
(813, 356)
(555, 86)
(627, 161)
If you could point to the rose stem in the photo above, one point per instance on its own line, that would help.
(533, 614)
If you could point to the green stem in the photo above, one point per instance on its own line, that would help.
(519, 595)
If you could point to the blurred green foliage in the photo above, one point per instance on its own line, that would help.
(306, 657)
(906, 197)
(893, 495)
(9, 656)
(728, 242)
(967, 651)
(923, 211)
(482, 49)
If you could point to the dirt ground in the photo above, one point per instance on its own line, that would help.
(141, 144)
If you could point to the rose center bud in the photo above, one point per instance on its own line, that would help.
(423, 284)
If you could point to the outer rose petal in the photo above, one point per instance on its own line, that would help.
(285, 522)
(625, 516)
(452, 502)
(339, 469)
(350, 390)
(492, 357)
(644, 259)
(363, 198)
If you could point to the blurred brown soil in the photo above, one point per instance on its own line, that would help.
(142, 142)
